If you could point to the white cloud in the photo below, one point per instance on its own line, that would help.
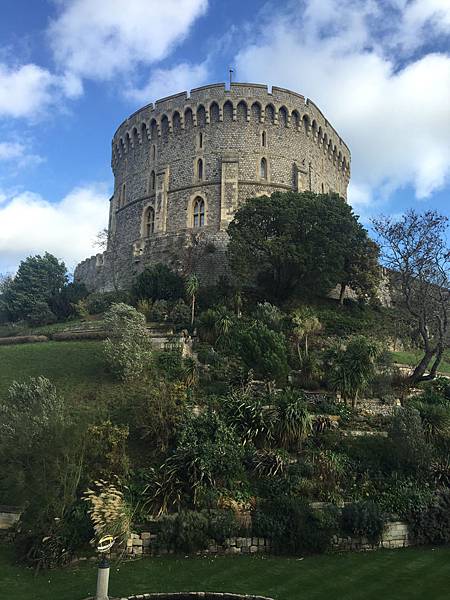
(102, 38)
(19, 154)
(395, 118)
(164, 82)
(29, 224)
(25, 91)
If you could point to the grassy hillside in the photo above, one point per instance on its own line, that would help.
(412, 357)
(73, 366)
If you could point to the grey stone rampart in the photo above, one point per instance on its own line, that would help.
(211, 144)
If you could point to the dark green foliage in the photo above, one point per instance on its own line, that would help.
(432, 525)
(186, 531)
(36, 281)
(246, 415)
(363, 519)
(301, 242)
(293, 527)
(169, 363)
(62, 303)
(180, 313)
(190, 531)
(158, 283)
(261, 349)
(99, 302)
(402, 496)
(410, 453)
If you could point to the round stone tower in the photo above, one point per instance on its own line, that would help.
(183, 166)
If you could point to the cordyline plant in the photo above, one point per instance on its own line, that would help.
(109, 512)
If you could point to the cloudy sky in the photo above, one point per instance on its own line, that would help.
(72, 70)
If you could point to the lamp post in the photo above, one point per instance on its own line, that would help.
(104, 546)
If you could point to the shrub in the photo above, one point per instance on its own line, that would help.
(158, 283)
(410, 452)
(222, 524)
(292, 423)
(432, 524)
(270, 315)
(293, 527)
(363, 519)
(402, 496)
(185, 532)
(180, 313)
(169, 363)
(63, 302)
(40, 314)
(128, 349)
(159, 311)
(261, 349)
(99, 302)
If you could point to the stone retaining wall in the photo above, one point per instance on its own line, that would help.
(395, 535)
(193, 595)
(147, 543)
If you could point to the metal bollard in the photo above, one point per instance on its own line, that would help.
(102, 579)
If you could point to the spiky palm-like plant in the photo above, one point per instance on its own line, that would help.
(192, 285)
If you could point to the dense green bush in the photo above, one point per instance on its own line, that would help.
(432, 524)
(180, 313)
(158, 283)
(128, 347)
(261, 349)
(363, 519)
(99, 302)
(62, 303)
(293, 527)
(187, 531)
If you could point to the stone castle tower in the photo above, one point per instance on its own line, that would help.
(183, 165)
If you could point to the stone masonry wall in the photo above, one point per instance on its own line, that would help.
(147, 543)
(395, 535)
(155, 161)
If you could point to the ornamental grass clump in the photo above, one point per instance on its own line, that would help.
(128, 347)
(109, 512)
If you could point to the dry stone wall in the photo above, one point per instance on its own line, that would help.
(216, 146)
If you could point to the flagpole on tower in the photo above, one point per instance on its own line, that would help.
(231, 71)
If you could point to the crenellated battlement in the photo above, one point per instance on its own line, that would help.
(245, 102)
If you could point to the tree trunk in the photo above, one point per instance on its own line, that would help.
(342, 293)
(418, 373)
(434, 367)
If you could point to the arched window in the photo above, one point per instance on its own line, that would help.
(214, 112)
(152, 181)
(176, 122)
(228, 111)
(200, 140)
(201, 116)
(153, 152)
(241, 112)
(123, 196)
(199, 212)
(263, 169)
(149, 224)
(200, 169)
(283, 117)
(263, 139)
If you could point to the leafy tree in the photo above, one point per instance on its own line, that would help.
(353, 366)
(192, 285)
(128, 347)
(158, 283)
(36, 281)
(301, 241)
(416, 249)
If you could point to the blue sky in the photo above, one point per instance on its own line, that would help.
(72, 70)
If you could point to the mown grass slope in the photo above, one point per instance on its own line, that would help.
(412, 574)
(74, 366)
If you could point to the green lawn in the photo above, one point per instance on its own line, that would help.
(413, 574)
(71, 366)
(412, 357)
